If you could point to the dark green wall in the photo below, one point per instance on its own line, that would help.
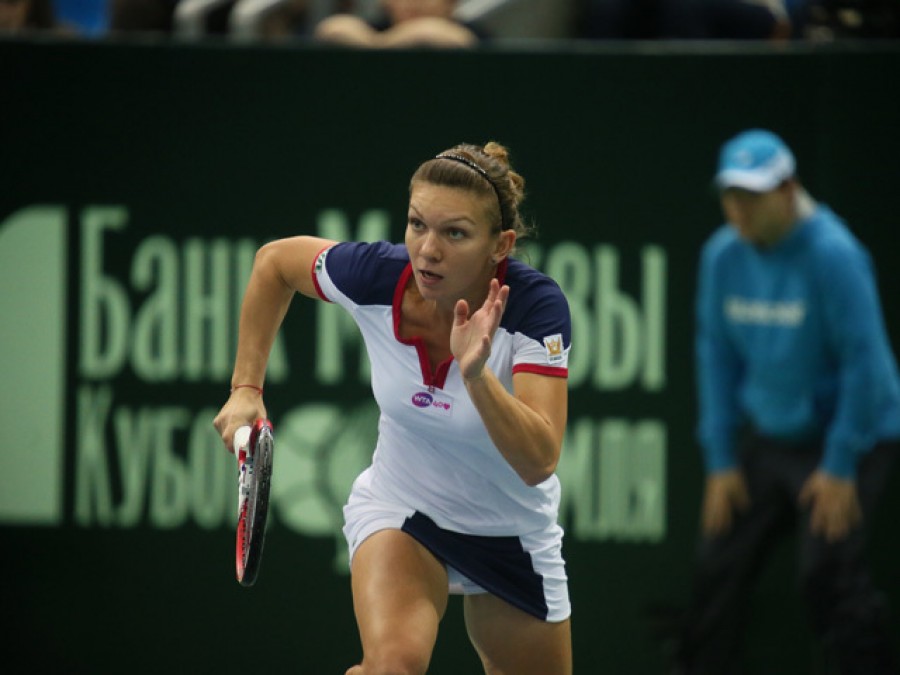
(220, 143)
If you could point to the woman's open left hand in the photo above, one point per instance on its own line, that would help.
(471, 336)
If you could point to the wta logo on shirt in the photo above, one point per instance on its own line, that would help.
(422, 399)
(553, 344)
(427, 401)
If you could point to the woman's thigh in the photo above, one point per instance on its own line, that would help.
(512, 642)
(399, 597)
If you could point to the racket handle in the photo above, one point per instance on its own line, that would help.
(241, 442)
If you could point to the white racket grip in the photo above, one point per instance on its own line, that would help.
(241, 442)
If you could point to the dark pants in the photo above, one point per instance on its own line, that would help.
(846, 612)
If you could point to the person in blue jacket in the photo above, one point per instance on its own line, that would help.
(799, 412)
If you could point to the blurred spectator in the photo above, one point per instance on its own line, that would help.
(18, 16)
(725, 19)
(694, 19)
(619, 19)
(91, 18)
(289, 19)
(405, 23)
(284, 19)
(142, 16)
(819, 20)
(854, 19)
(87, 17)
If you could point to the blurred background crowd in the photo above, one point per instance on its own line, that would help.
(458, 23)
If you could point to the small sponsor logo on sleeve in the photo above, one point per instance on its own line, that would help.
(320, 262)
(553, 344)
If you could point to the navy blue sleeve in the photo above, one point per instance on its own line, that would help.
(537, 306)
(367, 273)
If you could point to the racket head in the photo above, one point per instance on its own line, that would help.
(254, 483)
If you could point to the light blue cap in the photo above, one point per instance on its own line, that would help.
(755, 160)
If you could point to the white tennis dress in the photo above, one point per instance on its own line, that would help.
(435, 472)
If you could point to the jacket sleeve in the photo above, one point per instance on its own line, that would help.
(718, 369)
(857, 339)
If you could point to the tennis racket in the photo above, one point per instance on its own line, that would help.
(253, 447)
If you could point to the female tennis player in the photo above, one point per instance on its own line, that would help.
(469, 353)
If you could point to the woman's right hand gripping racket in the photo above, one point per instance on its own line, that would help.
(253, 447)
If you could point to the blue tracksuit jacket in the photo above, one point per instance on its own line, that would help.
(792, 340)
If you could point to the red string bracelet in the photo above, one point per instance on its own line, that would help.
(249, 386)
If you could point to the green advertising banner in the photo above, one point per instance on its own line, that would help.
(138, 181)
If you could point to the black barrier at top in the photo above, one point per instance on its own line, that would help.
(137, 182)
